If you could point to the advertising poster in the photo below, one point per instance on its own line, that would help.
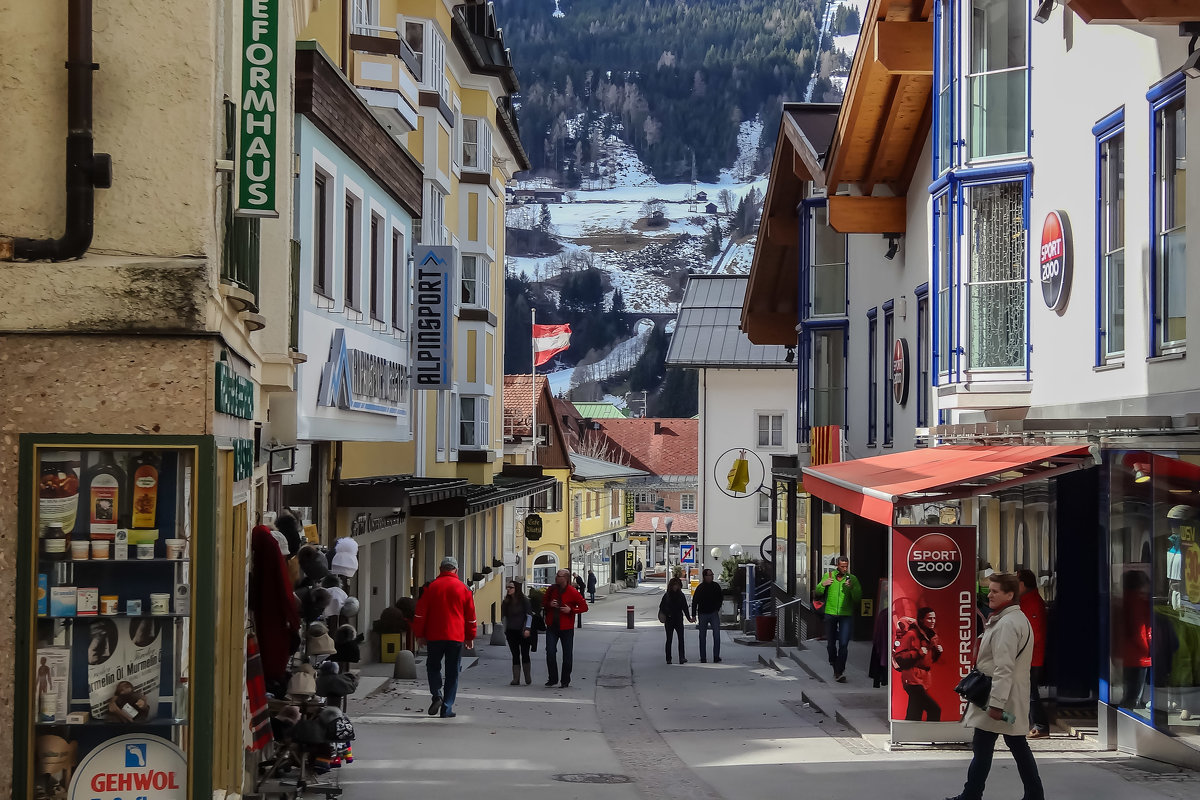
(932, 622)
(136, 766)
(124, 659)
(53, 683)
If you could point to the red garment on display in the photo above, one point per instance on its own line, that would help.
(276, 618)
(1034, 608)
(446, 611)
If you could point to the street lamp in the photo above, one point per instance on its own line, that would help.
(668, 522)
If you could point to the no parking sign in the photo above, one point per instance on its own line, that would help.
(687, 553)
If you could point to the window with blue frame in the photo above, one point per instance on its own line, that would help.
(923, 387)
(889, 406)
(827, 270)
(872, 375)
(828, 404)
(997, 78)
(944, 71)
(995, 285)
(944, 280)
(1110, 239)
(1168, 219)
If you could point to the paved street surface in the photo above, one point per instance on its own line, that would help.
(631, 727)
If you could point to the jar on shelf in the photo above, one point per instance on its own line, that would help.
(58, 490)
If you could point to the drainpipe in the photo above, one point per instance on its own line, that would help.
(86, 170)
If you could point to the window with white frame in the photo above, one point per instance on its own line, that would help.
(322, 225)
(687, 502)
(1170, 169)
(828, 269)
(366, 17)
(764, 509)
(997, 71)
(1111, 220)
(476, 281)
(996, 276)
(770, 429)
(433, 226)
(430, 48)
(476, 144)
(353, 237)
(376, 302)
(545, 567)
(943, 229)
(399, 281)
(828, 405)
(473, 422)
(452, 415)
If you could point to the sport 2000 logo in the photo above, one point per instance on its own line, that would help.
(934, 561)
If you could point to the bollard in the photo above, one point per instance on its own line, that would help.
(629, 617)
(406, 665)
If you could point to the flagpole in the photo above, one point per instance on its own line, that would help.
(533, 382)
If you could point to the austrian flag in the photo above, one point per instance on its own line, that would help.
(549, 340)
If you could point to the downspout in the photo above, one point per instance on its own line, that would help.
(86, 170)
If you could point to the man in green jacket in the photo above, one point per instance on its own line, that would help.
(841, 592)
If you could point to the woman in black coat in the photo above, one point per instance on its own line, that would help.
(671, 611)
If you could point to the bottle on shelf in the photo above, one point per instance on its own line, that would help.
(55, 542)
(58, 490)
(104, 484)
(180, 709)
(143, 491)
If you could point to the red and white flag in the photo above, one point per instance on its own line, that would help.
(549, 340)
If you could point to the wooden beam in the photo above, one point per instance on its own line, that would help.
(905, 48)
(783, 230)
(884, 138)
(867, 214)
(1159, 12)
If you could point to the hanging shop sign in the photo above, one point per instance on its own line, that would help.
(234, 394)
(243, 459)
(258, 142)
(630, 508)
(1056, 260)
(900, 371)
(933, 572)
(360, 381)
(128, 767)
(533, 527)
(366, 522)
(433, 340)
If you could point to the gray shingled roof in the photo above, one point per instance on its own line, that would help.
(707, 333)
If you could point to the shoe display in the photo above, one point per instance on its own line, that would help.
(435, 706)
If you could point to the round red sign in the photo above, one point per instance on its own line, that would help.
(934, 560)
(1055, 260)
(900, 371)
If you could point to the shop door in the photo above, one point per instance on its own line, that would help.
(868, 548)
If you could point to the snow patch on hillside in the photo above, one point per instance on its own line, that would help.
(620, 360)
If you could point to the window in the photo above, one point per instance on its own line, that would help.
(828, 267)
(945, 69)
(399, 280)
(764, 509)
(440, 425)
(366, 17)
(829, 377)
(687, 502)
(924, 385)
(1170, 255)
(377, 287)
(476, 284)
(996, 283)
(351, 266)
(615, 506)
(545, 567)
(430, 49)
(770, 430)
(1110, 223)
(872, 375)
(943, 243)
(889, 405)
(476, 147)
(997, 77)
(433, 227)
(587, 502)
(473, 423)
(321, 276)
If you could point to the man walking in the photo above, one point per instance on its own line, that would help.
(446, 620)
(841, 592)
(706, 607)
(561, 603)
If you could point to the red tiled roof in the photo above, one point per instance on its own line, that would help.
(685, 522)
(659, 446)
(517, 403)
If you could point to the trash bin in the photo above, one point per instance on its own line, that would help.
(764, 628)
(631, 582)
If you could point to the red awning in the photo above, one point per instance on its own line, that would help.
(872, 487)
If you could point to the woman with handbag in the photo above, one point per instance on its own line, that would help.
(1004, 658)
(518, 630)
(671, 611)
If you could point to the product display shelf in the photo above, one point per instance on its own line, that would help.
(108, 562)
(163, 722)
(89, 617)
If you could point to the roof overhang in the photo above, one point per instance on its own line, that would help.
(477, 498)
(1157, 12)
(396, 491)
(874, 487)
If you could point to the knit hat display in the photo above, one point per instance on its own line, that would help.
(347, 640)
(313, 563)
(313, 602)
(345, 557)
(320, 643)
(350, 607)
(337, 598)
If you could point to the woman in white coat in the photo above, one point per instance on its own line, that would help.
(1005, 653)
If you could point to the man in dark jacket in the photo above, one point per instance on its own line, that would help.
(446, 620)
(561, 603)
(706, 607)
(591, 586)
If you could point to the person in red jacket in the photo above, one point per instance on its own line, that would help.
(560, 604)
(1034, 609)
(916, 651)
(446, 620)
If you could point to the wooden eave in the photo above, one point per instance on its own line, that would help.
(887, 109)
(1151, 12)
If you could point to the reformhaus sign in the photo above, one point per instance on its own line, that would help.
(258, 143)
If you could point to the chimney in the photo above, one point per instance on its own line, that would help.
(657, 427)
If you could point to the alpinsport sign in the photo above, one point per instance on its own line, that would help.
(434, 328)
(258, 142)
(356, 380)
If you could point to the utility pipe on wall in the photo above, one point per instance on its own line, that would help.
(86, 170)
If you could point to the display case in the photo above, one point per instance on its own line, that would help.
(109, 534)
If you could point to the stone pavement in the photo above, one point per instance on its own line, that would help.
(631, 726)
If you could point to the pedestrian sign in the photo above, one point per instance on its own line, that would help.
(687, 554)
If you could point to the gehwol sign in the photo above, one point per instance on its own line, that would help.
(258, 140)
(132, 767)
(433, 320)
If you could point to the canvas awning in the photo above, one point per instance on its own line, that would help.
(874, 487)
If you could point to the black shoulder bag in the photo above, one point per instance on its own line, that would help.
(976, 688)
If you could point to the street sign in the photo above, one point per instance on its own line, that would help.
(687, 553)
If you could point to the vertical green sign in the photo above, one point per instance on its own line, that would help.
(258, 144)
